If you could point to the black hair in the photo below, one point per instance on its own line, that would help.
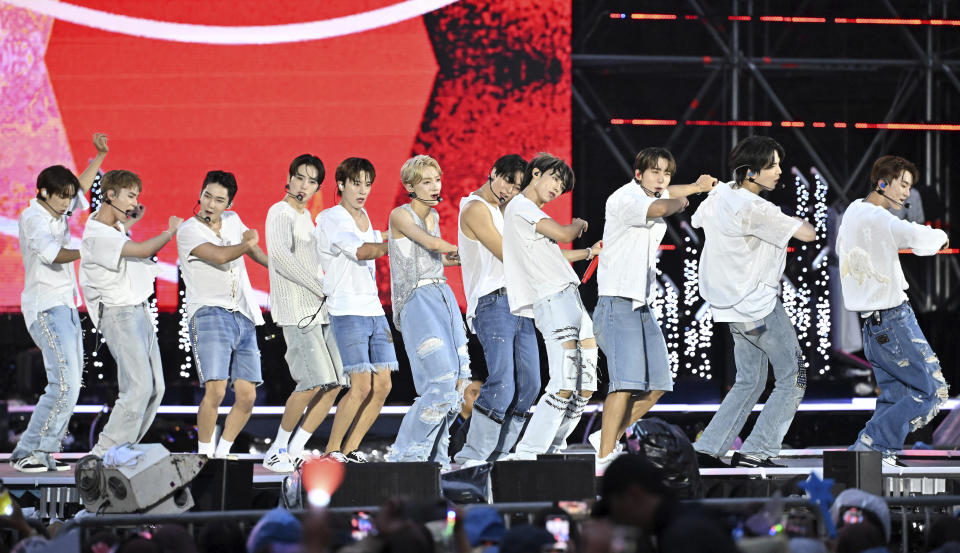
(224, 179)
(311, 160)
(508, 166)
(753, 153)
(648, 158)
(57, 180)
(546, 164)
(351, 167)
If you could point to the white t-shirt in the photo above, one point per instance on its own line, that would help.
(744, 254)
(46, 284)
(107, 277)
(867, 245)
(208, 284)
(482, 271)
(631, 242)
(533, 264)
(350, 283)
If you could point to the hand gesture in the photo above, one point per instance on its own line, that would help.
(250, 237)
(174, 223)
(706, 183)
(684, 202)
(453, 257)
(596, 249)
(449, 248)
(583, 225)
(100, 142)
(138, 211)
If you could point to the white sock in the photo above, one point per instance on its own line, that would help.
(223, 448)
(299, 441)
(283, 437)
(205, 448)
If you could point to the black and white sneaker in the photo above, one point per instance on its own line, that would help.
(30, 463)
(741, 460)
(356, 456)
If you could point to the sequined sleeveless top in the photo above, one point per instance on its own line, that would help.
(410, 263)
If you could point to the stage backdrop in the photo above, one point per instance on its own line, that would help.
(183, 87)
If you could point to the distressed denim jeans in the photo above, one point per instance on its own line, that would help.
(58, 335)
(513, 382)
(436, 344)
(774, 344)
(912, 387)
(129, 333)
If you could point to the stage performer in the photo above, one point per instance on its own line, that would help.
(49, 305)
(744, 255)
(509, 342)
(221, 309)
(117, 278)
(543, 285)
(426, 312)
(298, 307)
(349, 246)
(912, 387)
(627, 332)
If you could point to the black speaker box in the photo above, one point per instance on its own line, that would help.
(366, 484)
(223, 485)
(854, 469)
(567, 478)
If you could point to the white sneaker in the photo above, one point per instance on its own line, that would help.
(594, 439)
(337, 456)
(277, 460)
(519, 456)
(603, 462)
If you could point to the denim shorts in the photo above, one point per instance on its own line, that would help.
(365, 343)
(633, 343)
(313, 357)
(562, 318)
(225, 345)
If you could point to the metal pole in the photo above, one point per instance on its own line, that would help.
(735, 76)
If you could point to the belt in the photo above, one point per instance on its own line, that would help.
(502, 291)
(429, 281)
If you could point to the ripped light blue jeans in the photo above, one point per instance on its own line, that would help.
(57, 333)
(912, 387)
(436, 344)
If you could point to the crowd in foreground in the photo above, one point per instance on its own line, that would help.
(636, 512)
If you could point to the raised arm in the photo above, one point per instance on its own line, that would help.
(561, 233)
(88, 175)
(583, 255)
(667, 207)
(704, 183)
(225, 254)
(476, 218)
(923, 240)
(402, 221)
(280, 242)
(150, 247)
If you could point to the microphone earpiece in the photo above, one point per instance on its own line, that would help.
(881, 184)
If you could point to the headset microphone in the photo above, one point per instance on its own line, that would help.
(413, 195)
(67, 212)
(196, 208)
(500, 198)
(881, 185)
(647, 190)
(761, 185)
(298, 196)
(130, 213)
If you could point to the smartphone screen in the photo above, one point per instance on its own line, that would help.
(361, 526)
(559, 526)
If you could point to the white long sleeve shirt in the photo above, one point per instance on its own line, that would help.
(868, 242)
(296, 277)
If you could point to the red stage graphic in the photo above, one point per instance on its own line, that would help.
(466, 83)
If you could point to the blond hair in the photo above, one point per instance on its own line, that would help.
(412, 171)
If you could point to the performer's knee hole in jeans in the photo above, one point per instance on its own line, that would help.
(428, 346)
